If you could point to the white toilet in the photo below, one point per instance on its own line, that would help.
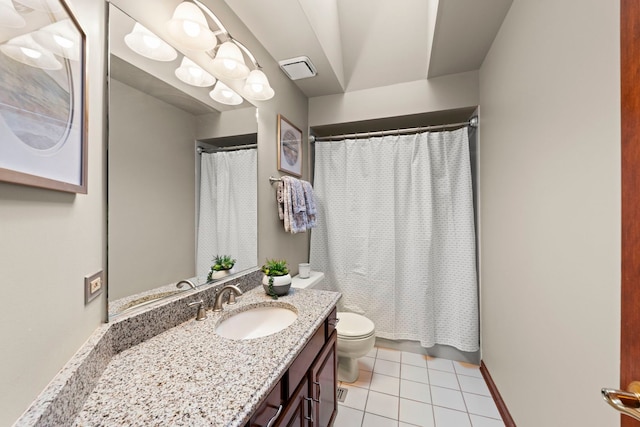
(356, 334)
(356, 338)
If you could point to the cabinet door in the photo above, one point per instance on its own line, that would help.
(270, 410)
(298, 412)
(323, 377)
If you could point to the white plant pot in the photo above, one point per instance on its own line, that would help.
(221, 274)
(281, 284)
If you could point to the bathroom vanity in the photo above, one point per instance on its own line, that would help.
(306, 393)
(160, 368)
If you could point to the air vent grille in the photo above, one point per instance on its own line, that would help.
(341, 394)
(298, 68)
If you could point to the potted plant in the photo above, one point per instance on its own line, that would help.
(222, 267)
(277, 280)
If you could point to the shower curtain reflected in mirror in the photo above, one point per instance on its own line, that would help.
(396, 234)
(227, 218)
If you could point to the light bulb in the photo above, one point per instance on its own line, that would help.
(151, 42)
(25, 50)
(195, 72)
(230, 64)
(257, 87)
(31, 53)
(61, 38)
(225, 95)
(191, 28)
(146, 43)
(191, 73)
(63, 42)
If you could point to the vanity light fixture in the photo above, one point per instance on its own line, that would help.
(60, 38)
(24, 49)
(189, 28)
(223, 94)
(192, 74)
(228, 59)
(9, 16)
(145, 43)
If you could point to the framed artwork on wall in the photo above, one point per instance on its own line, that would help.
(43, 132)
(289, 147)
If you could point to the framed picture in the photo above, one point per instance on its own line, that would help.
(43, 135)
(289, 147)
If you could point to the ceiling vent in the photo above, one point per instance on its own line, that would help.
(298, 68)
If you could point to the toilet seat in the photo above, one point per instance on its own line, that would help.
(353, 326)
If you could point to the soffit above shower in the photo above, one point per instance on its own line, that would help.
(362, 44)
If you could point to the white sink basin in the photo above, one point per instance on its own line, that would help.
(256, 322)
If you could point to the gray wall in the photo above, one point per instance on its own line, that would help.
(423, 96)
(49, 241)
(151, 192)
(550, 216)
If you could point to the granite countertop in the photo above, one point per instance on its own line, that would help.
(189, 375)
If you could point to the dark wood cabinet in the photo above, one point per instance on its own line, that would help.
(298, 412)
(305, 396)
(323, 374)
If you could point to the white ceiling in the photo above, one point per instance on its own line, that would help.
(362, 44)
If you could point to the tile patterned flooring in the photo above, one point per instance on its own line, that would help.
(400, 389)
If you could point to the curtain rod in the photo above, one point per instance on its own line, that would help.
(473, 122)
(201, 149)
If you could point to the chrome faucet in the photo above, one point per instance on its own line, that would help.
(186, 282)
(234, 291)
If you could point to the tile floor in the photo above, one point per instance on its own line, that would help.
(400, 389)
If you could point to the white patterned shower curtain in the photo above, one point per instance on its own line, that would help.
(227, 219)
(396, 234)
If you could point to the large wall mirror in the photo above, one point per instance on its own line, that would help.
(181, 169)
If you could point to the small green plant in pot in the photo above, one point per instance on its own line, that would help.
(222, 266)
(277, 280)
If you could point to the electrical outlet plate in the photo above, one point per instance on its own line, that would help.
(93, 286)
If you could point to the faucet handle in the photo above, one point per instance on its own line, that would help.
(232, 298)
(202, 311)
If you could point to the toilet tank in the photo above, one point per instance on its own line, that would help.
(312, 281)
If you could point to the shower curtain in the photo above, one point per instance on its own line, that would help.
(228, 214)
(396, 234)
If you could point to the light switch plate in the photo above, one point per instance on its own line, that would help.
(93, 286)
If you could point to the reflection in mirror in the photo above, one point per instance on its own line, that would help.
(154, 198)
(227, 209)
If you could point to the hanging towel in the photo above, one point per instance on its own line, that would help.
(298, 206)
(280, 199)
(310, 202)
(284, 202)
